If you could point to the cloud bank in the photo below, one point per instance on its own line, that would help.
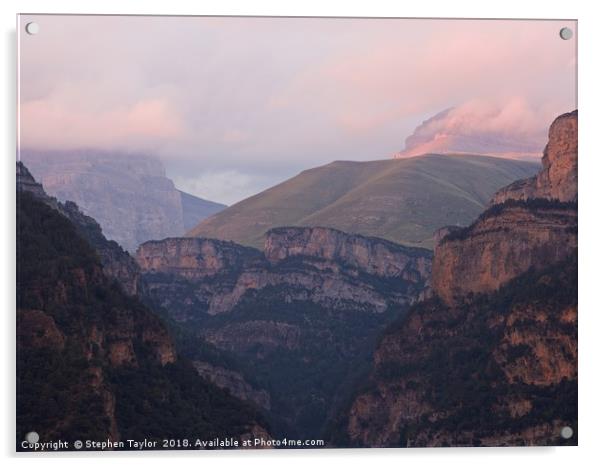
(257, 100)
(511, 129)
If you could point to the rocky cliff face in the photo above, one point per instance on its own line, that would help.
(558, 178)
(498, 371)
(506, 241)
(530, 224)
(491, 358)
(321, 265)
(302, 314)
(128, 194)
(374, 256)
(195, 258)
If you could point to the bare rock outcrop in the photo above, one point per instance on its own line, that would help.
(322, 265)
(506, 242)
(530, 224)
(89, 353)
(371, 255)
(558, 178)
(194, 258)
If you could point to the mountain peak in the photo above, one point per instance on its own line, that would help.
(557, 179)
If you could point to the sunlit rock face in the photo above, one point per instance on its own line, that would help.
(558, 178)
(531, 223)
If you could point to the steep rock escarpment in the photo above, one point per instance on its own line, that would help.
(73, 325)
(92, 361)
(129, 195)
(558, 178)
(374, 256)
(491, 358)
(530, 224)
(506, 241)
(195, 258)
(321, 265)
(497, 371)
(302, 315)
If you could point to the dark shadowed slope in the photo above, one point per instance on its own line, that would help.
(94, 363)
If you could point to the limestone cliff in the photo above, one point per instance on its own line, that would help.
(73, 321)
(129, 195)
(532, 223)
(506, 241)
(374, 256)
(558, 178)
(318, 264)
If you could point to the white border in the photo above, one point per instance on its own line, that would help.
(590, 124)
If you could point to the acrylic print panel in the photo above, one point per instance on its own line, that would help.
(253, 232)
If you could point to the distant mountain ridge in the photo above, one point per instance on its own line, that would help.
(404, 201)
(128, 194)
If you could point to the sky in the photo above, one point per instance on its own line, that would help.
(235, 105)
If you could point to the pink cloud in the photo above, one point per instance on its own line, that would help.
(387, 78)
(511, 127)
(141, 124)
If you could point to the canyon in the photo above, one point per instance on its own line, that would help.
(302, 314)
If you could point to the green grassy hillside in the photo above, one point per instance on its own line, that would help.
(402, 200)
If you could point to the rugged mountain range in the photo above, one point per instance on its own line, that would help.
(480, 338)
(93, 362)
(302, 314)
(403, 201)
(128, 194)
(491, 358)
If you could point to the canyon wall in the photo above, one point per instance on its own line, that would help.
(491, 358)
